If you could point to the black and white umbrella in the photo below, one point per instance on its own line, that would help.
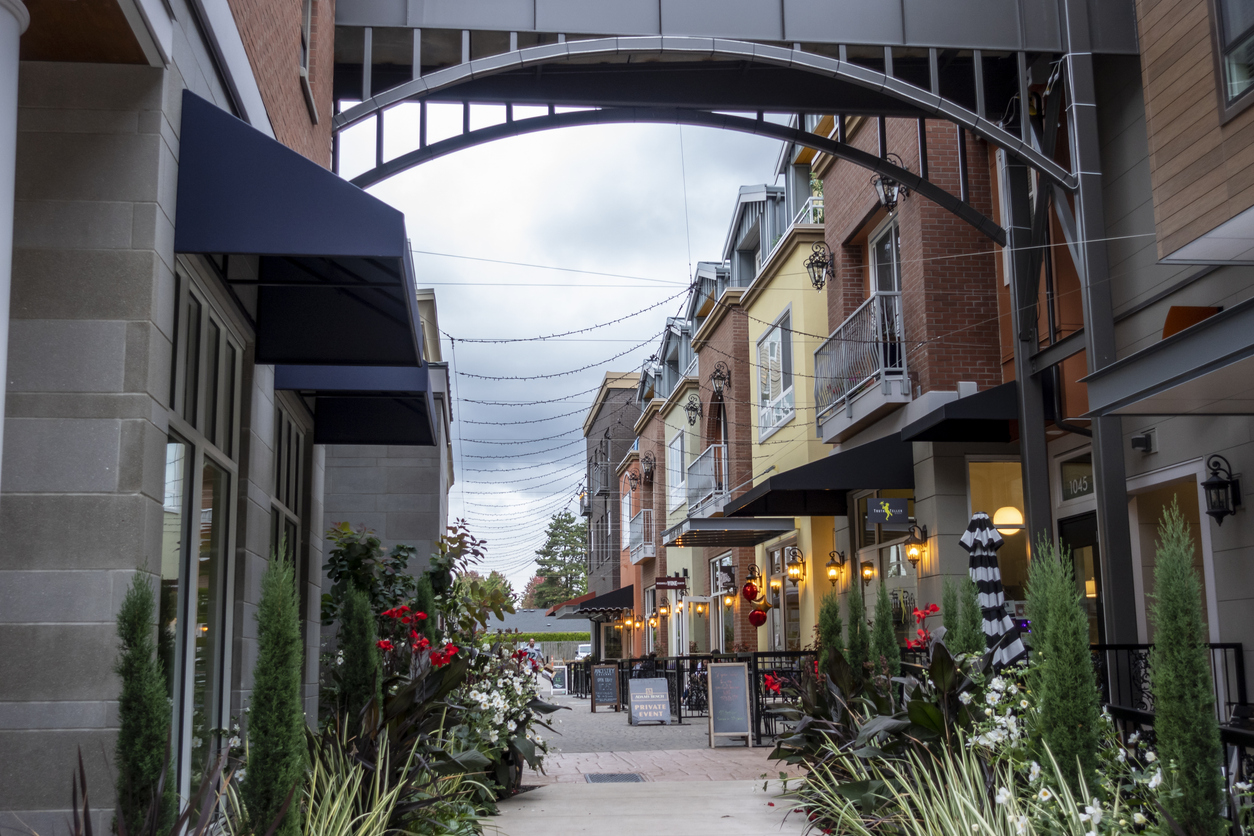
(982, 540)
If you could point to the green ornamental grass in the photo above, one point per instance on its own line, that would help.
(277, 750)
(1180, 679)
(143, 712)
(884, 648)
(831, 628)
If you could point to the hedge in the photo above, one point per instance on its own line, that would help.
(545, 637)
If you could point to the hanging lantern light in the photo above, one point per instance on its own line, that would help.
(694, 409)
(888, 190)
(720, 377)
(796, 566)
(819, 265)
(834, 567)
(1223, 490)
(916, 545)
(868, 572)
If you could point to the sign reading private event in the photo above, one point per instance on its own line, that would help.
(649, 700)
(729, 701)
(559, 679)
(604, 686)
(669, 582)
(886, 511)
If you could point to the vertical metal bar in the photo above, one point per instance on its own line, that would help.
(561, 39)
(552, 110)
(977, 61)
(842, 52)
(882, 124)
(963, 186)
(840, 128)
(465, 118)
(378, 138)
(416, 71)
(888, 61)
(923, 148)
(509, 112)
(465, 46)
(513, 41)
(1099, 333)
(367, 46)
(1025, 125)
(422, 124)
(933, 69)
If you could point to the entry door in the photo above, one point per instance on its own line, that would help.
(1079, 534)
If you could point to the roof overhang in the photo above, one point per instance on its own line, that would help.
(334, 283)
(984, 416)
(365, 404)
(821, 488)
(726, 531)
(566, 609)
(612, 602)
(1206, 369)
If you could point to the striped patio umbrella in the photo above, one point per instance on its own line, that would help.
(982, 540)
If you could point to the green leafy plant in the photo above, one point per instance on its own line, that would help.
(357, 561)
(1070, 716)
(885, 651)
(859, 648)
(968, 635)
(143, 714)
(831, 630)
(949, 609)
(359, 677)
(1180, 679)
(276, 727)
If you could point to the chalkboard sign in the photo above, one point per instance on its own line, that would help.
(729, 701)
(604, 686)
(649, 700)
(559, 679)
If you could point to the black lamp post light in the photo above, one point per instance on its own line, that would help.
(888, 190)
(1223, 490)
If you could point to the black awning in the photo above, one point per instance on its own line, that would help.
(820, 489)
(616, 600)
(726, 531)
(984, 416)
(334, 283)
(365, 404)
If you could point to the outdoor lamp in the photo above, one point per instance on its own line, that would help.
(664, 610)
(1007, 515)
(647, 463)
(1223, 491)
(886, 188)
(868, 572)
(833, 567)
(720, 377)
(916, 545)
(819, 265)
(796, 565)
(653, 619)
(634, 479)
(729, 600)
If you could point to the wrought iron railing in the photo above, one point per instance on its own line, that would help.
(865, 349)
(811, 212)
(707, 481)
(641, 536)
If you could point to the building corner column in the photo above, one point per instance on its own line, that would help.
(13, 22)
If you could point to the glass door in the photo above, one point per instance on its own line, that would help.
(1079, 534)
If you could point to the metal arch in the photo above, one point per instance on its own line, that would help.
(683, 116)
(927, 101)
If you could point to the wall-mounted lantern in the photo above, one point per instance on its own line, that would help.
(653, 620)
(834, 566)
(796, 566)
(694, 409)
(1223, 490)
(720, 378)
(888, 190)
(664, 610)
(868, 572)
(633, 478)
(647, 463)
(820, 265)
(729, 600)
(916, 545)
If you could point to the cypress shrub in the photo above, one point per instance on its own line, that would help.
(949, 613)
(883, 639)
(360, 674)
(859, 640)
(1067, 695)
(143, 713)
(424, 601)
(1180, 679)
(276, 719)
(831, 629)
(969, 633)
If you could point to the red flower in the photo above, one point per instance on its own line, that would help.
(771, 683)
(413, 634)
(423, 643)
(421, 616)
(406, 620)
(384, 644)
(933, 609)
(451, 649)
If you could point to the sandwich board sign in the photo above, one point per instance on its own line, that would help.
(604, 686)
(730, 714)
(559, 679)
(649, 701)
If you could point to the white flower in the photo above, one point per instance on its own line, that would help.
(1095, 810)
(1156, 780)
(1003, 795)
(1138, 818)
(1151, 757)
(234, 742)
(1034, 772)
(1023, 703)
(1242, 786)
(1021, 825)
(992, 697)
(1122, 755)
(1085, 817)
(998, 684)
(1133, 738)
(196, 741)
(239, 776)
(1013, 689)
(1045, 794)
(975, 828)
(965, 697)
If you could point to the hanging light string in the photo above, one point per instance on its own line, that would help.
(635, 347)
(590, 328)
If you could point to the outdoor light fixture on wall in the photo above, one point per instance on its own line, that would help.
(834, 566)
(720, 377)
(653, 619)
(916, 545)
(693, 408)
(647, 463)
(1223, 490)
(729, 600)
(634, 479)
(888, 190)
(820, 265)
(796, 565)
(664, 610)
(868, 572)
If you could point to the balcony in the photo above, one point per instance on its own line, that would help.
(599, 480)
(811, 212)
(585, 505)
(860, 370)
(641, 537)
(708, 488)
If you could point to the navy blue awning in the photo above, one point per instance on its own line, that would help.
(365, 404)
(334, 282)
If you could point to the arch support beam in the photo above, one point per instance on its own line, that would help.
(681, 116)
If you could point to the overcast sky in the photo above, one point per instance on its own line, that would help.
(613, 199)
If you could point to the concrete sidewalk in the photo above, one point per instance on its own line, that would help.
(717, 808)
(721, 764)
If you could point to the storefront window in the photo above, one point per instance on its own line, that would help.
(210, 615)
(880, 536)
(172, 518)
(612, 641)
(723, 583)
(996, 489)
(784, 619)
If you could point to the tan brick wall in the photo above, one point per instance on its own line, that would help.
(270, 30)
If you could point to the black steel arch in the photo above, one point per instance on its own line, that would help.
(685, 116)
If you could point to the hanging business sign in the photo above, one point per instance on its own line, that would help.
(649, 700)
(887, 511)
(730, 715)
(668, 582)
(604, 686)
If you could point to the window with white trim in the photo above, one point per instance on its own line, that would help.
(777, 404)
(625, 525)
(675, 472)
(886, 261)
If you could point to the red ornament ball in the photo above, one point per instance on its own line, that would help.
(750, 591)
(757, 618)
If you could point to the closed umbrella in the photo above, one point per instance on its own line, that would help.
(982, 540)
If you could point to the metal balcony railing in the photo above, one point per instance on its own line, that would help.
(811, 212)
(641, 536)
(707, 481)
(599, 478)
(867, 348)
(585, 505)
